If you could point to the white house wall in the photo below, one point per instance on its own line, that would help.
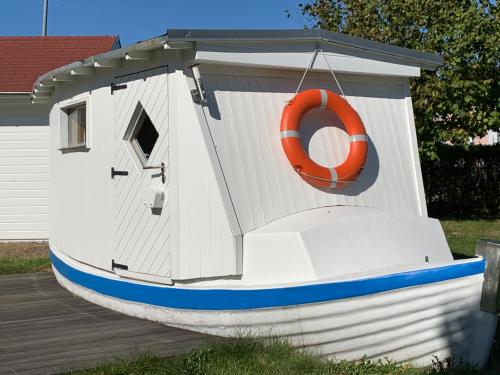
(201, 241)
(207, 244)
(244, 112)
(24, 171)
(80, 184)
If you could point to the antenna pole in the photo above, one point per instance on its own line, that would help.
(45, 13)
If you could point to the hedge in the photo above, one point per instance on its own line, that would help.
(463, 182)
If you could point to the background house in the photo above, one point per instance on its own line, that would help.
(491, 138)
(24, 134)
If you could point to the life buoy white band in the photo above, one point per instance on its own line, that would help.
(334, 177)
(290, 134)
(358, 138)
(324, 99)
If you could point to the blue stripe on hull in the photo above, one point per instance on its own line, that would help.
(238, 299)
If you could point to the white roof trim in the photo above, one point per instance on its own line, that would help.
(183, 39)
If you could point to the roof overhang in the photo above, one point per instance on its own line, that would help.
(426, 60)
(207, 42)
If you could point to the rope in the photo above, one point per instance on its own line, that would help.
(311, 63)
(309, 67)
(333, 74)
(344, 181)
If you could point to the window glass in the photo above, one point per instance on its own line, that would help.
(77, 126)
(146, 136)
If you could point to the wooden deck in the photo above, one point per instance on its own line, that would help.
(45, 330)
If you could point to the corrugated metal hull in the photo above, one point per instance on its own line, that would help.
(406, 325)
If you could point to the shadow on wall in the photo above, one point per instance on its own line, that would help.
(335, 141)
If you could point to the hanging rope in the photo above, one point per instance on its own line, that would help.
(333, 74)
(309, 67)
(311, 63)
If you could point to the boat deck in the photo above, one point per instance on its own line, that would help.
(45, 330)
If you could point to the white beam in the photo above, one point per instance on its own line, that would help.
(113, 63)
(43, 88)
(138, 55)
(178, 45)
(47, 83)
(62, 78)
(82, 71)
(43, 94)
(36, 100)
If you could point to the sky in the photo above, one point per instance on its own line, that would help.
(135, 20)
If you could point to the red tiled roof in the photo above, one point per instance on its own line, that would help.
(24, 58)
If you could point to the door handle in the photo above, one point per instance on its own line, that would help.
(161, 167)
(117, 173)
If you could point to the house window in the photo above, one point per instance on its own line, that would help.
(73, 127)
(145, 136)
(77, 126)
(141, 135)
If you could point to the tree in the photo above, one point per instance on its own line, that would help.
(459, 100)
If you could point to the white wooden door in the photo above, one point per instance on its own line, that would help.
(141, 233)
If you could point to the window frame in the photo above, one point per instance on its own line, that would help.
(64, 107)
(130, 137)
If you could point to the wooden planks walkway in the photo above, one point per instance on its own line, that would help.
(45, 330)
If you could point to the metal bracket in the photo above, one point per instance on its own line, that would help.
(118, 266)
(195, 95)
(161, 167)
(117, 173)
(115, 87)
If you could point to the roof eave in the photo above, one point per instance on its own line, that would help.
(185, 37)
(426, 60)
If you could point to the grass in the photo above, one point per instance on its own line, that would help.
(23, 257)
(14, 264)
(463, 234)
(246, 356)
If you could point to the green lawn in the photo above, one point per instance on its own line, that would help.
(23, 257)
(250, 357)
(16, 264)
(463, 234)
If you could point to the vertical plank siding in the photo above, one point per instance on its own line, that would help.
(261, 181)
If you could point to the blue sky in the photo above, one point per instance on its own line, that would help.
(135, 20)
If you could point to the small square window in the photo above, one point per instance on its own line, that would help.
(74, 126)
(141, 134)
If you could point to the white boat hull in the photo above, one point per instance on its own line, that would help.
(410, 324)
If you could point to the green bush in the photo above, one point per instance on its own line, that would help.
(463, 182)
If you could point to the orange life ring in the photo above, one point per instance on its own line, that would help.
(315, 174)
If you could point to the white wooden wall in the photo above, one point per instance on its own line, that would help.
(83, 221)
(24, 171)
(244, 114)
(206, 243)
(80, 202)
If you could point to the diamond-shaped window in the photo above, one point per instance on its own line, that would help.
(141, 134)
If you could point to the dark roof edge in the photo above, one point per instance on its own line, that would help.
(195, 35)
